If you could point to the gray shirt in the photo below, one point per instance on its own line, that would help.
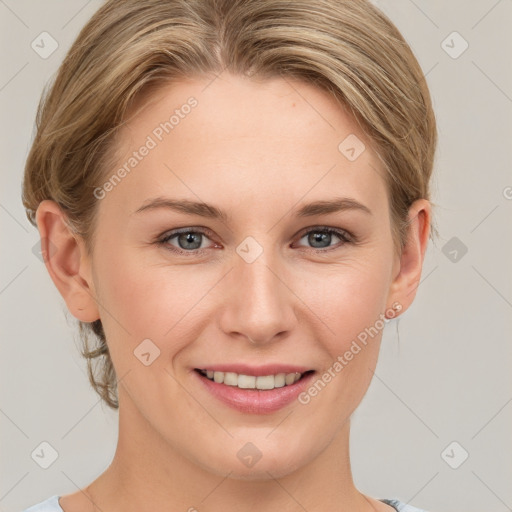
(52, 505)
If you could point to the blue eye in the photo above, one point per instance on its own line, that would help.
(324, 236)
(190, 240)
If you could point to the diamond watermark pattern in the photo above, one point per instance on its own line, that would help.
(351, 147)
(454, 455)
(249, 454)
(44, 45)
(249, 250)
(42, 254)
(146, 352)
(454, 249)
(44, 455)
(454, 45)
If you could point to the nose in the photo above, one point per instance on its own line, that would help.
(259, 306)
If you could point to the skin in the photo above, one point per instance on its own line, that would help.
(258, 150)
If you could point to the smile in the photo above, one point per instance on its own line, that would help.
(265, 393)
(261, 382)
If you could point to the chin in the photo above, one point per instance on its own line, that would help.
(251, 464)
(261, 471)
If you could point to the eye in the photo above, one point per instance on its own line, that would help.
(188, 240)
(321, 237)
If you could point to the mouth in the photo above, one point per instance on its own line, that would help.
(259, 382)
(261, 394)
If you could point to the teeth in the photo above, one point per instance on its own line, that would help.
(265, 382)
(230, 379)
(252, 382)
(289, 379)
(279, 380)
(245, 381)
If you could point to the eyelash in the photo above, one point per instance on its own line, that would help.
(345, 236)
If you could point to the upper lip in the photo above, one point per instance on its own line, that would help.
(245, 369)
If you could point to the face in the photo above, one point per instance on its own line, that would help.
(265, 288)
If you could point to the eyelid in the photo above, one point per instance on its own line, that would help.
(186, 229)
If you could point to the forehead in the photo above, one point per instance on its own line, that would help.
(234, 139)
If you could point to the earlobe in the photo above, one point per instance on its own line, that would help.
(405, 284)
(63, 254)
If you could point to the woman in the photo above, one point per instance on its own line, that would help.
(233, 201)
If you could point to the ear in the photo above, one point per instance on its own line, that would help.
(66, 261)
(406, 282)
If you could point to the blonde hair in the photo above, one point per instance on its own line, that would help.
(346, 47)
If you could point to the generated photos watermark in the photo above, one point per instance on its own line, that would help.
(343, 360)
(151, 142)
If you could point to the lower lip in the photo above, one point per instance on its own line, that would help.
(255, 401)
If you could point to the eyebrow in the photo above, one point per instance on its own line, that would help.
(202, 209)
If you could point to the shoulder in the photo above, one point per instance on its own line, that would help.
(49, 505)
(400, 506)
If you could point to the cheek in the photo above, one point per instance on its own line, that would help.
(352, 305)
(135, 302)
(141, 299)
(347, 300)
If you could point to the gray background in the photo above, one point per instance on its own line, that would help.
(447, 378)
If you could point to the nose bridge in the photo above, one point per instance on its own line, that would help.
(261, 306)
